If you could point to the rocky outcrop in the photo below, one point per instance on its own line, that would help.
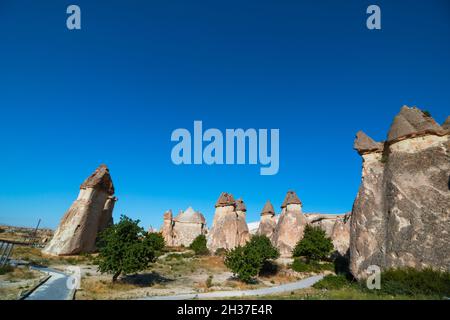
(242, 228)
(184, 228)
(400, 217)
(290, 226)
(167, 228)
(90, 214)
(227, 231)
(268, 221)
(336, 227)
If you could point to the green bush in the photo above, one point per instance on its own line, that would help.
(199, 245)
(314, 245)
(6, 269)
(413, 282)
(333, 282)
(126, 248)
(310, 266)
(245, 263)
(221, 252)
(248, 261)
(209, 282)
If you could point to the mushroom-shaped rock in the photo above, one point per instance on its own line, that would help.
(364, 144)
(410, 122)
(290, 226)
(90, 214)
(291, 198)
(240, 205)
(268, 221)
(229, 228)
(225, 199)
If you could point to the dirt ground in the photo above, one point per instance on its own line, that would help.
(174, 273)
(18, 281)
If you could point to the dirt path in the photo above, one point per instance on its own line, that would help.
(302, 284)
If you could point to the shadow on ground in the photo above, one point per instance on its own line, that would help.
(145, 279)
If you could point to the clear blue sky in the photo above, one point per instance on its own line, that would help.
(114, 91)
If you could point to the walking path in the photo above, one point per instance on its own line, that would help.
(302, 284)
(55, 288)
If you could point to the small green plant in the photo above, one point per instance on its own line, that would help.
(426, 113)
(209, 282)
(333, 282)
(221, 252)
(199, 245)
(300, 265)
(315, 245)
(6, 269)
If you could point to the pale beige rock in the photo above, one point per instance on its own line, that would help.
(268, 221)
(228, 230)
(340, 235)
(290, 226)
(167, 228)
(187, 226)
(400, 217)
(242, 228)
(90, 214)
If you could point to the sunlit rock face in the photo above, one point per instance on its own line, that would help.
(268, 221)
(400, 217)
(229, 228)
(184, 228)
(290, 226)
(242, 227)
(90, 214)
(336, 227)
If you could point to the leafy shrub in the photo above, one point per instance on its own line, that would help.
(310, 266)
(248, 261)
(6, 269)
(245, 262)
(126, 248)
(412, 282)
(221, 252)
(199, 245)
(209, 282)
(315, 245)
(333, 282)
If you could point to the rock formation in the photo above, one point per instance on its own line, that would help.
(184, 228)
(268, 221)
(242, 228)
(401, 214)
(227, 231)
(167, 228)
(290, 226)
(88, 215)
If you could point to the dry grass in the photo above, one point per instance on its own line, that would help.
(20, 279)
(35, 256)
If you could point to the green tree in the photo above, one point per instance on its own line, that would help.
(247, 262)
(199, 245)
(126, 248)
(315, 244)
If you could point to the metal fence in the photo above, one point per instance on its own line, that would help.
(6, 249)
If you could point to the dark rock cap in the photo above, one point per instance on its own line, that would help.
(291, 198)
(446, 124)
(240, 205)
(410, 122)
(268, 209)
(364, 144)
(225, 200)
(100, 179)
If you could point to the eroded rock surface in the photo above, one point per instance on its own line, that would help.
(290, 226)
(90, 214)
(268, 221)
(400, 217)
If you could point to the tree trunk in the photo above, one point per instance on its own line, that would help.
(115, 276)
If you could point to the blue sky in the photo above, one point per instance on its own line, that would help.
(114, 91)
